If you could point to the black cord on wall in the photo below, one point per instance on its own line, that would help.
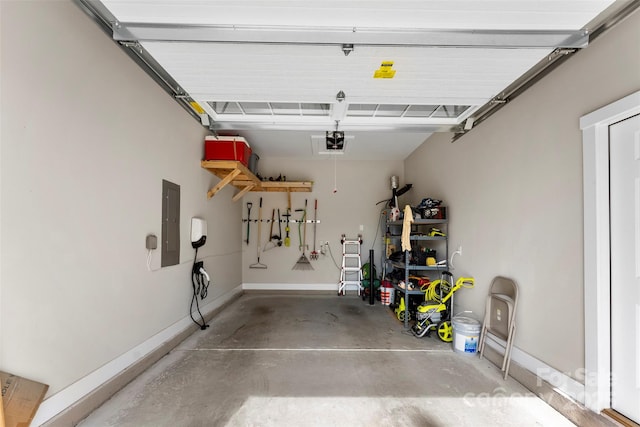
(200, 287)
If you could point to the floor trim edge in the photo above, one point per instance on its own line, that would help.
(74, 403)
(554, 396)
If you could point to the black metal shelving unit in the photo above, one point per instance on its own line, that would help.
(420, 229)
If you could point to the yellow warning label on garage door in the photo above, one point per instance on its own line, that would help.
(385, 71)
(196, 107)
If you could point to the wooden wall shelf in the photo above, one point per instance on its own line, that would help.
(235, 173)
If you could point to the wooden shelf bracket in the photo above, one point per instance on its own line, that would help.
(235, 173)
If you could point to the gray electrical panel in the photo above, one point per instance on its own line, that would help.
(170, 253)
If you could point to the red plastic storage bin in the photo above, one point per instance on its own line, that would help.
(227, 148)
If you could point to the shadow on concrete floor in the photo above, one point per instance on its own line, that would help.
(318, 360)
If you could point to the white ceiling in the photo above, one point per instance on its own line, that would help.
(452, 54)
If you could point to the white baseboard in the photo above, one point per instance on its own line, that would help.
(65, 398)
(562, 382)
(331, 287)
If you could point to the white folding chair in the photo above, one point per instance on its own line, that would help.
(499, 317)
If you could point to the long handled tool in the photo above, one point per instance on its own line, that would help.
(275, 237)
(249, 204)
(259, 264)
(279, 229)
(303, 262)
(274, 241)
(314, 253)
(287, 239)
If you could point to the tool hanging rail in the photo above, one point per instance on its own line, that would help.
(292, 221)
(235, 173)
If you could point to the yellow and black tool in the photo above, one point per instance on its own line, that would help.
(287, 240)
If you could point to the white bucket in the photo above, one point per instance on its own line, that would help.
(466, 334)
(386, 295)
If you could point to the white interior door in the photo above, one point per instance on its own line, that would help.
(625, 266)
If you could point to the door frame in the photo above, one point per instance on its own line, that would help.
(597, 267)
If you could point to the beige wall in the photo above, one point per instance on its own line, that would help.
(87, 138)
(360, 185)
(514, 188)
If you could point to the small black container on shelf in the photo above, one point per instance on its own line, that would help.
(438, 212)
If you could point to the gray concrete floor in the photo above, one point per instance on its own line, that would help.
(319, 360)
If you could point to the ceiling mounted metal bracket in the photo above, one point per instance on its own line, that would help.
(132, 45)
(347, 48)
(560, 52)
(350, 36)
